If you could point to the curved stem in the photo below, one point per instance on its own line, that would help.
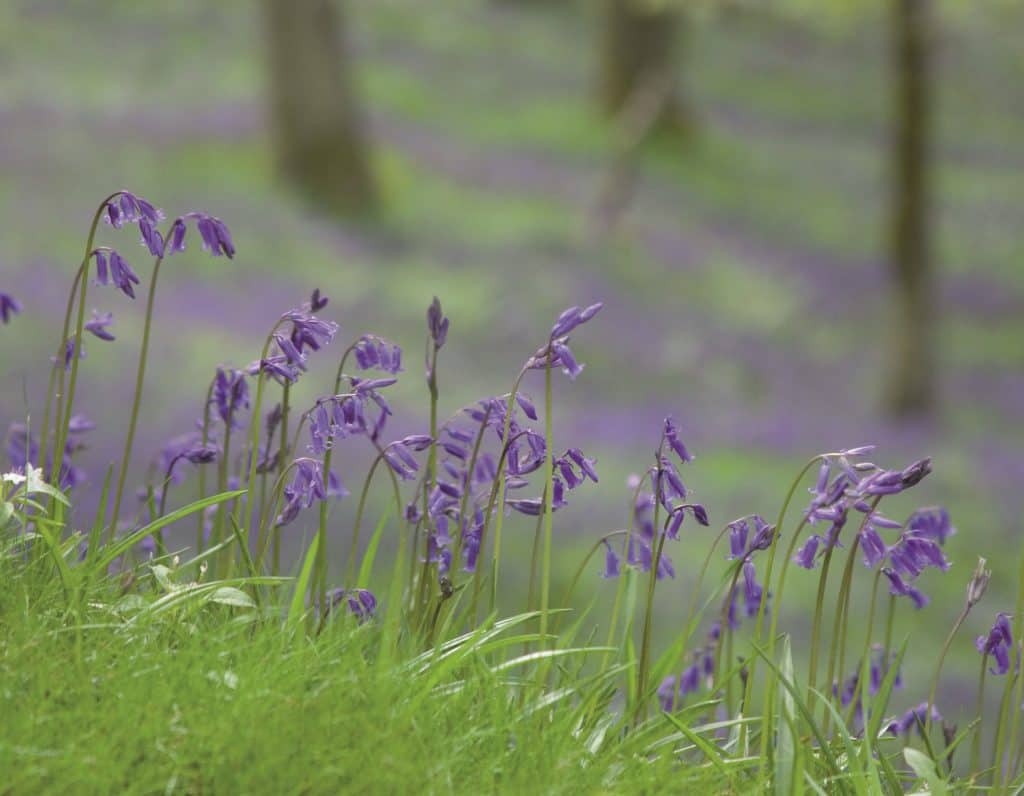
(620, 587)
(865, 661)
(202, 470)
(76, 352)
(979, 712)
(549, 507)
(57, 369)
(819, 605)
(938, 667)
(467, 486)
(78, 284)
(769, 694)
(140, 379)
(842, 602)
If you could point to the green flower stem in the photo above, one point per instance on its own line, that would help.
(201, 521)
(724, 627)
(645, 635)
(140, 379)
(1018, 699)
(255, 424)
(549, 497)
(497, 498)
(812, 667)
(567, 599)
(264, 533)
(889, 622)
(938, 666)
(769, 693)
(500, 483)
(979, 712)
(865, 661)
(620, 588)
(78, 285)
(535, 555)
(464, 507)
(223, 467)
(842, 601)
(57, 370)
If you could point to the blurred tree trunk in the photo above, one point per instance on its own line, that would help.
(911, 377)
(319, 139)
(639, 53)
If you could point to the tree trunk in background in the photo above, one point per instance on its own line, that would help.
(911, 376)
(318, 131)
(638, 53)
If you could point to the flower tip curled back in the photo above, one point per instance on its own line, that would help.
(9, 307)
(98, 325)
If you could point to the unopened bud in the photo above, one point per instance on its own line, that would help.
(979, 582)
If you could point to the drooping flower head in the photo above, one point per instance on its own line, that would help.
(230, 394)
(306, 488)
(9, 307)
(97, 326)
(214, 233)
(556, 352)
(998, 644)
(361, 603)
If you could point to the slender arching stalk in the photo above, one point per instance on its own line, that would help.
(56, 370)
(78, 285)
(938, 666)
(202, 471)
(620, 587)
(499, 494)
(759, 624)
(979, 714)
(582, 567)
(549, 507)
(140, 379)
(254, 437)
(1018, 698)
(467, 487)
(819, 607)
(865, 661)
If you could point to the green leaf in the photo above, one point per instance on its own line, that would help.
(229, 595)
(366, 567)
(121, 546)
(925, 770)
(297, 609)
(6, 512)
(785, 752)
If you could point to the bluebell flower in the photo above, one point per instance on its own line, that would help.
(9, 306)
(69, 353)
(375, 352)
(230, 394)
(361, 603)
(306, 488)
(612, 564)
(916, 717)
(932, 523)
(98, 325)
(998, 644)
(805, 556)
(900, 587)
(437, 323)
